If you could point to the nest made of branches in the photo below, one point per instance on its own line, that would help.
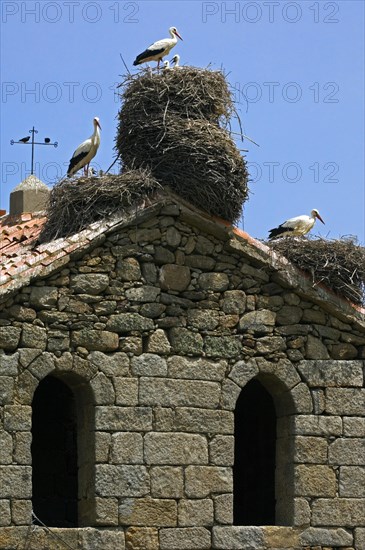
(338, 264)
(195, 158)
(188, 92)
(74, 204)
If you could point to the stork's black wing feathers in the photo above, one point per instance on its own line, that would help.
(146, 54)
(277, 231)
(76, 160)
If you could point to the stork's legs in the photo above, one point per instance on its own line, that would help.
(86, 169)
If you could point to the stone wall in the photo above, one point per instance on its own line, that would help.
(166, 324)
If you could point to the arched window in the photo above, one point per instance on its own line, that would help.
(254, 465)
(63, 451)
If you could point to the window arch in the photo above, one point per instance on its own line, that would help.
(255, 450)
(63, 451)
(268, 403)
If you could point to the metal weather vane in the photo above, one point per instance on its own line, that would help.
(26, 141)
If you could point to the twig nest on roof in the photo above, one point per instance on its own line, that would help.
(170, 123)
(188, 92)
(338, 264)
(196, 159)
(74, 204)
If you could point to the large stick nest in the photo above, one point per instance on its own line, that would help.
(196, 159)
(74, 204)
(188, 92)
(339, 264)
(169, 123)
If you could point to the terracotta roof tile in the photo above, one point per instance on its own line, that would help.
(55, 256)
(17, 234)
(71, 247)
(21, 259)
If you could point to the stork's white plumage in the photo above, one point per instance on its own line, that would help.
(166, 65)
(175, 61)
(91, 172)
(295, 227)
(85, 152)
(158, 50)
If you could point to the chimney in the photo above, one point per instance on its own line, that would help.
(31, 195)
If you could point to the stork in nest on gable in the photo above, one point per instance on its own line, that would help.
(85, 152)
(296, 227)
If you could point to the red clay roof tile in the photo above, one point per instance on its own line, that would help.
(17, 234)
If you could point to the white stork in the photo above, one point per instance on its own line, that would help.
(166, 65)
(176, 61)
(295, 227)
(85, 152)
(159, 49)
(91, 172)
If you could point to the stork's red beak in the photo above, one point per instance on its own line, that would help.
(320, 219)
(177, 34)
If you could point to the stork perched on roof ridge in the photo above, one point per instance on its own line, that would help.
(85, 152)
(158, 50)
(296, 227)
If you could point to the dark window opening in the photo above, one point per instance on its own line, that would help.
(54, 454)
(254, 465)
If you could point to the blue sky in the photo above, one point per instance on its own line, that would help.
(297, 68)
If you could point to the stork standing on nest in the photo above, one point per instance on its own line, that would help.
(158, 50)
(85, 152)
(296, 227)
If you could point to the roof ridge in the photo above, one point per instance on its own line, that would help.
(17, 270)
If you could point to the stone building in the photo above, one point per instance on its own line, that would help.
(167, 382)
